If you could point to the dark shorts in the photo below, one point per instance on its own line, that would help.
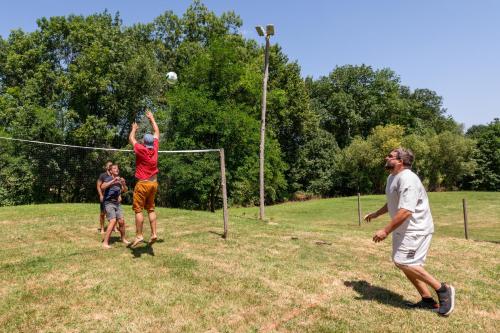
(103, 209)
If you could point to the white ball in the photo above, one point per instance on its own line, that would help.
(171, 77)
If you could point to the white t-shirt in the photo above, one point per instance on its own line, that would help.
(405, 190)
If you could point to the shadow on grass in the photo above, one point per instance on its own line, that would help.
(369, 292)
(220, 234)
(114, 239)
(487, 241)
(138, 251)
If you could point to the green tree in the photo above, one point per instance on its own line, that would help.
(487, 156)
(352, 100)
(363, 160)
(316, 169)
(450, 160)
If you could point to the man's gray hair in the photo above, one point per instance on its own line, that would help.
(406, 156)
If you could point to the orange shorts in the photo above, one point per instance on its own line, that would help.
(144, 196)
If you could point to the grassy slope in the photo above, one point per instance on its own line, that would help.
(310, 269)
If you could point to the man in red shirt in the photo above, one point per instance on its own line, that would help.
(146, 171)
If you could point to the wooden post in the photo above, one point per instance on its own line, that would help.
(263, 133)
(224, 190)
(359, 209)
(464, 202)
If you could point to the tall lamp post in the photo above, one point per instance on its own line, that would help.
(267, 34)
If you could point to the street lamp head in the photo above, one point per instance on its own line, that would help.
(270, 29)
(260, 30)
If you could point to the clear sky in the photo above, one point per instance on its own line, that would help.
(450, 46)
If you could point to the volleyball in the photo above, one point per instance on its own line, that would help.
(171, 77)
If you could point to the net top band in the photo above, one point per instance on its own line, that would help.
(111, 149)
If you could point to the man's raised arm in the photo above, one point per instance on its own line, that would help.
(153, 124)
(131, 136)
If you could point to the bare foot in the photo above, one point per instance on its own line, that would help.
(126, 242)
(106, 246)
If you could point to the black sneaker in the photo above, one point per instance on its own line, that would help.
(429, 304)
(446, 300)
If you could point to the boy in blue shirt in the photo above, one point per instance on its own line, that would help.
(113, 186)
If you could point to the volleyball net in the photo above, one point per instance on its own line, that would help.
(43, 172)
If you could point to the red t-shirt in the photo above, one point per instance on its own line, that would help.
(146, 160)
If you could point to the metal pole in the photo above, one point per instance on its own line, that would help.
(263, 132)
(224, 191)
(465, 218)
(359, 209)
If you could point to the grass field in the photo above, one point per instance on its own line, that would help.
(310, 268)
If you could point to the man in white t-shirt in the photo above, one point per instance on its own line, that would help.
(412, 227)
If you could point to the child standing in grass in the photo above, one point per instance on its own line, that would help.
(113, 186)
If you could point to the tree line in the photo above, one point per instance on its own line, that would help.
(83, 80)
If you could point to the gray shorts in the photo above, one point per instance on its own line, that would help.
(113, 210)
(409, 249)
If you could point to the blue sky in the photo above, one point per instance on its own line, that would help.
(452, 47)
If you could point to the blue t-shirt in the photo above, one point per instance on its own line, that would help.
(112, 193)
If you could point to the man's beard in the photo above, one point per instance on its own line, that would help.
(388, 166)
